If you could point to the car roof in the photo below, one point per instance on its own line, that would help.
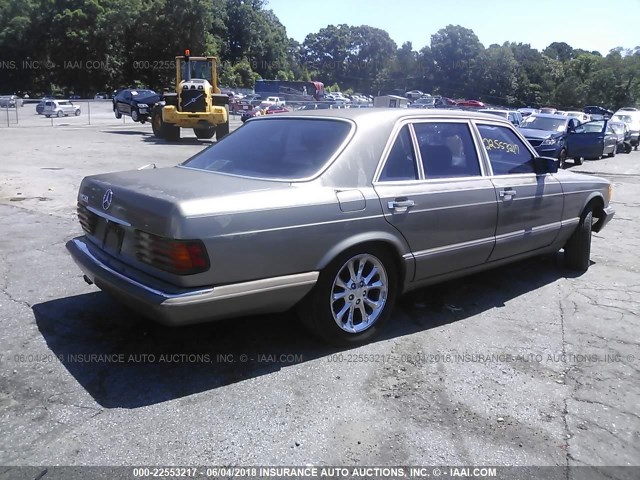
(501, 110)
(392, 114)
(548, 115)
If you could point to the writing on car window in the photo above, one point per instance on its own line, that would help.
(507, 154)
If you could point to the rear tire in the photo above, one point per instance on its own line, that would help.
(353, 297)
(205, 133)
(613, 152)
(77, 113)
(577, 250)
(60, 114)
(577, 160)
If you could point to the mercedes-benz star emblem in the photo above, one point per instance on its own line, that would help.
(106, 199)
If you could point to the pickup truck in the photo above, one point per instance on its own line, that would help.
(272, 101)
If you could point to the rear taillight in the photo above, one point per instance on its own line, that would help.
(182, 257)
(88, 220)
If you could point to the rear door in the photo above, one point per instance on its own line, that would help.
(434, 192)
(529, 205)
(587, 140)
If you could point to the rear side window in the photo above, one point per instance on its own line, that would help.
(283, 148)
(507, 154)
(401, 162)
(447, 150)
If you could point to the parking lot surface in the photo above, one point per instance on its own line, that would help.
(525, 365)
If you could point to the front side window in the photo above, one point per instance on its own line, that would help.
(447, 150)
(282, 148)
(507, 153)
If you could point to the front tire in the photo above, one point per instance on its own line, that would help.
(613, 152)
(562, 158)
(134, 115)
(577, 250)
(353, 298)
(164, 130)
(117, 113)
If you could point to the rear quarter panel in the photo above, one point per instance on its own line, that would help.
(301, 237)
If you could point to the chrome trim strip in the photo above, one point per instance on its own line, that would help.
(535, 230)
(451, 207)
(454, 247)
(106, 216)
(304, 225)
(212, 293)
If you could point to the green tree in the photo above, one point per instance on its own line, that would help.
(456, 51)
(498, 71)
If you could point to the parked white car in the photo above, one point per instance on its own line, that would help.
(583, 117)
(60, 108)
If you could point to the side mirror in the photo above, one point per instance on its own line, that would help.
(542, 165)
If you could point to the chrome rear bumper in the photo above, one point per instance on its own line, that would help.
(171, 305)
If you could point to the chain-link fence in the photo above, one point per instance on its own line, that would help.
(91, 112)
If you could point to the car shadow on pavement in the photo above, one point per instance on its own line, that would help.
(151, 138)
(182, 141)
(125, 361)
(140, 133)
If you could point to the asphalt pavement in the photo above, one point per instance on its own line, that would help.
(530, 364)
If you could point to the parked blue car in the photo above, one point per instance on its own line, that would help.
(563, 137)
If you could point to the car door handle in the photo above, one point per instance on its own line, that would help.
(401, 205)
(509, 192)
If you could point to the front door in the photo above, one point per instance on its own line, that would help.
(529, 205)
(587, 140)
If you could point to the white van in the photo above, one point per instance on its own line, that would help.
(632, 119)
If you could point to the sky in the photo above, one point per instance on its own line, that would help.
(586, 24)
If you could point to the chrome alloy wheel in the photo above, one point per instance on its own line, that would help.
(359, 293)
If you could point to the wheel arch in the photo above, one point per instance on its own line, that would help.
(595, 203)
(393, 245)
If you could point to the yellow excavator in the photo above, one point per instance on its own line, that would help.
(197, 103)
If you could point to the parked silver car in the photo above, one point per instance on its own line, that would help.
(336, 212)
(60, 108)
(10, 101)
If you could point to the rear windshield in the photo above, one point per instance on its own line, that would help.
(623, 118)
(283, 148)
(617, 127)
